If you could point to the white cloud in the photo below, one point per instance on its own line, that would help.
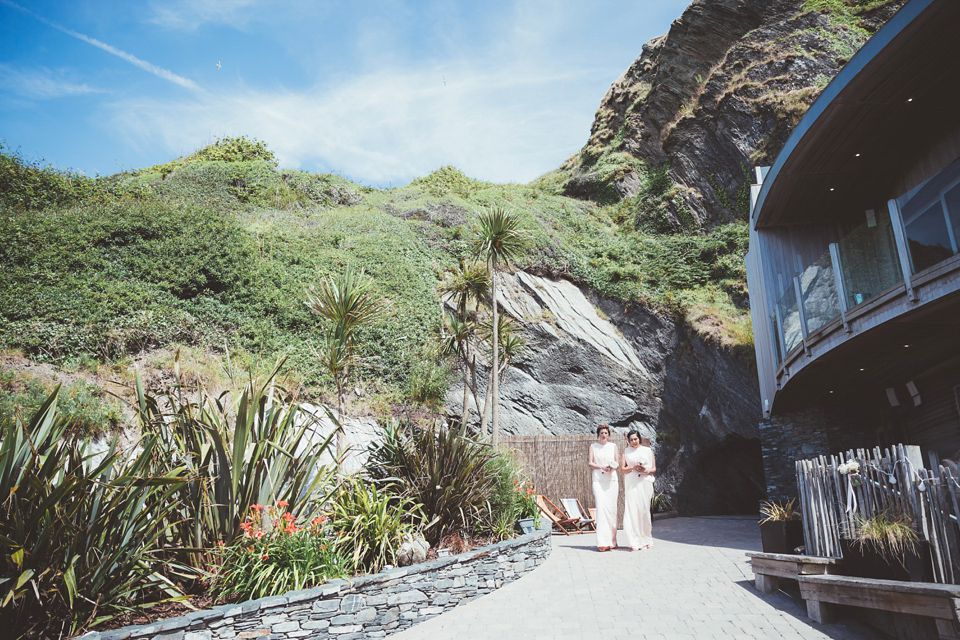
(188, 15)
(387, 127)
(129, 57)
(40, 84)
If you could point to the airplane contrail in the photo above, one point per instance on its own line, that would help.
(129, 57)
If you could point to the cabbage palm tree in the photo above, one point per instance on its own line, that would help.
(467, 287)
(346, 302)
(499, 240)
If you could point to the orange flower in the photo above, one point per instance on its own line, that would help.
(283, 503)
(257, 507)
(265, 557)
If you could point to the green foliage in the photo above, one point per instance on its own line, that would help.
(217, 254)
(82, 406)
(441, 468)
(32, 186)
(448, 180)
(275, 556)
(370, 524)
(257, 451)
(240, 149)
(512, 497)
(79, 529)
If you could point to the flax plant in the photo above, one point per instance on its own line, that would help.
(260, 449)
(80, 530)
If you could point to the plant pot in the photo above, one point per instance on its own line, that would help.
(526, 525)
(868, 562)
(781, 536)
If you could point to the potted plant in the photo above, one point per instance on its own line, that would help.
(885, 546)
(528, 513)
(781, 530)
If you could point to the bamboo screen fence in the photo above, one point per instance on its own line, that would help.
(558, 465)
(891, 480)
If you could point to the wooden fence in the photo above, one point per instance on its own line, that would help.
(558, 464)
(891, 480)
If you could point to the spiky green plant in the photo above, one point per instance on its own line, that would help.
(441, 468)
(80, 529)
(370, 524)
(260, 449)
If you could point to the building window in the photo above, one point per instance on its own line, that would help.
(931, 218)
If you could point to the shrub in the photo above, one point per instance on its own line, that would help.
(79, 528)
(370, 525)
(256, 451)
(81, 405)
(275, 555)
(441, 468)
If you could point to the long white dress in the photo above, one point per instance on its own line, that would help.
(637, 493)
(606, 489)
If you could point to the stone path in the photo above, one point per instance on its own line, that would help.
(695, 583)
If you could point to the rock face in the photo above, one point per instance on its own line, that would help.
(716, 95)
(594, 362)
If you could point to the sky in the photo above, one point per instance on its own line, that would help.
(379, 92)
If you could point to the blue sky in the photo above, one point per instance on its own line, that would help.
(380, 92)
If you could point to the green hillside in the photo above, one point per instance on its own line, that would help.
(215, 250)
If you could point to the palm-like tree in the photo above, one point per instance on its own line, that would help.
(467, 287)
(346, 302)
(499, 240)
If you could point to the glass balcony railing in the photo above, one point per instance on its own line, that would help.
(868, 265)
(789, 320)
(869, 261)
(818, 288)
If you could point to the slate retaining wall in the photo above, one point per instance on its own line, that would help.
(371, 606)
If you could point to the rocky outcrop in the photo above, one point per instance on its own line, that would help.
(716, 95)
(595, 361)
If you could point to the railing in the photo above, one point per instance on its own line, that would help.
(861, 265)
(890, 481)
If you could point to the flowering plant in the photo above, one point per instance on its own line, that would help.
(527, 502)
(274, 555)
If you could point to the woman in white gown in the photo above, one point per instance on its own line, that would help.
(638, 466)
(606, 487)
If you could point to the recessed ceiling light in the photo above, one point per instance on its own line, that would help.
(863, 369)
(905, 346)
(831, 390)
(909, 99)
(856, 155)
(831, 188)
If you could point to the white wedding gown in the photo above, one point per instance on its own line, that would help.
(638, 491)
(606, 489)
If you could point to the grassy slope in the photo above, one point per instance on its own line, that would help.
(215, 251)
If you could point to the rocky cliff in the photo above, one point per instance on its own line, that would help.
(672, 146)
(595, 361)
(715, 96)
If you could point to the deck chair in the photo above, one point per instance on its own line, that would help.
(575, 510)
(561, 521)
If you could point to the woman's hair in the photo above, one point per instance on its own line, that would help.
(601, 427)
(631, 433)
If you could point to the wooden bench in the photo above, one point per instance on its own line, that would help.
(768, 568)
(938, 601)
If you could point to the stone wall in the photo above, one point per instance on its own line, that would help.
(799, 435)
(371, 606)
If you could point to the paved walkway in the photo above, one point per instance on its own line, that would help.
(694, 583)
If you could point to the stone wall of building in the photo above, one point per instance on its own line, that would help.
(371, 606)
(798, 435)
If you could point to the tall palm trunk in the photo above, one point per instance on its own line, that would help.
(495, 425)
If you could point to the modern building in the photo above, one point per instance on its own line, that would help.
(854, 260)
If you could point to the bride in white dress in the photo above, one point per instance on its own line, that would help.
(638, 466)
(606, 487)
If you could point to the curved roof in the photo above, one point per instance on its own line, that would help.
(888, 121)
